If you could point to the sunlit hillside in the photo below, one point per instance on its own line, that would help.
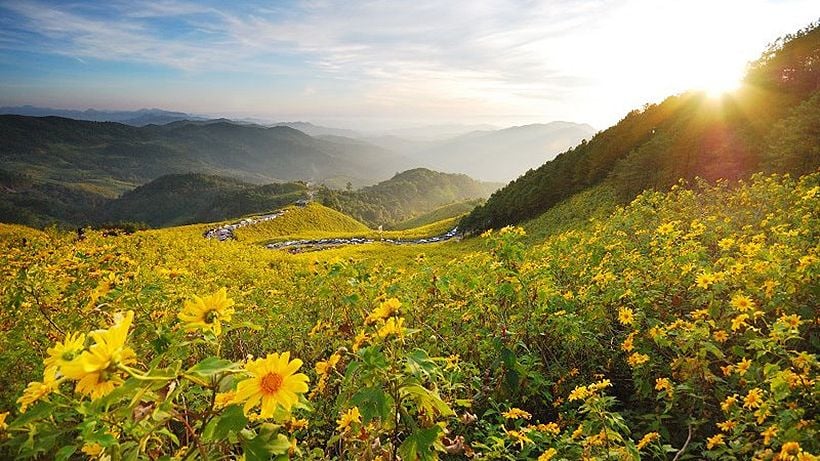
(211, 283)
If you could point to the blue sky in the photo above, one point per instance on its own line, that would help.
(383, 63)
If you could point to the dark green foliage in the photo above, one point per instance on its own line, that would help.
(406, 195)
(773, 119)
(191, 198)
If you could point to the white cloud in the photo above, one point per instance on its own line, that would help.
(570, 59)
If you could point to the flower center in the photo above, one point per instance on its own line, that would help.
(211, 316)
(271, 383)
(69, 355)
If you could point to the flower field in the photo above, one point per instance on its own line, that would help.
(682, 326)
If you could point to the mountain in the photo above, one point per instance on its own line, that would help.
(492, 155)
(110, 158)
(140, 117)
(404, 196)
(196, 198)
(317, 130)
(501, 155)
(770, 124)
(67, 167)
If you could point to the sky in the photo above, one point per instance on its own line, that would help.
(366, 64)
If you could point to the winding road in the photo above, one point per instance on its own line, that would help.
(226, 232)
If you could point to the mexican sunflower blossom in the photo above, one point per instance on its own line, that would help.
(273, 381)
(385, 310)
(647, 439)
(516, 413)
(37, 390)
(66, 351)
(348, 418)
(208, 313)
(97, 370)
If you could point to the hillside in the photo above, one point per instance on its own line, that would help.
(71, 166)
(404, 196)
(452, 210)
(770, 124)
(311, 220)
(680, 297)
(195, 198)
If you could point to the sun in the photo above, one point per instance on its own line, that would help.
(717, 82)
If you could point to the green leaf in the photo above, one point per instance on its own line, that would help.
(419, 445)
(65, 453)
(426, 399)
(232, 420)
(373, 403)
(420, 364)
(260, 448)
(211, 366)
(39, 410)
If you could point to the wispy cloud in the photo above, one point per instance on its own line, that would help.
(555, 58)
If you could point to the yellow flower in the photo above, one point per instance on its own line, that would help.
(720, 336)
(628, 345)
(739, 322)
(208, 313)
(705, 279)
(667, 228)
(791, 321)
(769, 433)
(3, 425)
(602, 384)
(385, 310)
(626, 316)
(97, 369)
(273, 380)
(714, 441)
(66, 351)
(92, 449)
(551, 428)
(296, 424)
(393, 326)
(520, 438)
(548, 454)
(647, 439)
(728, 403)
(516, 413)
(37, 390)
(360, 338)
(663, 384)
(637, 359)
(351, 416)
(742, 302)
(790, 450)
(727, 426)
(743, 366)
(324, 367)
(753, 399)
(579, 393)
(223, 399)
(579, 431)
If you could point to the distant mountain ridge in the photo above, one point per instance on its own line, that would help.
(503, 155)
(139, 117)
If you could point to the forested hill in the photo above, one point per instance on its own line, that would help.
(114, 157)
(771, 124)
(406, 195)
(195, 198)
